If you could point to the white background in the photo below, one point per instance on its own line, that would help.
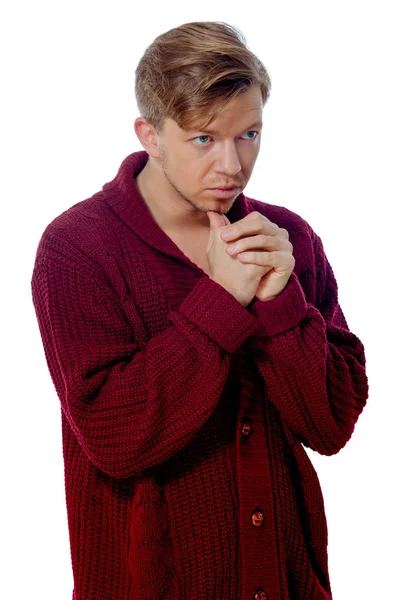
(330, 152)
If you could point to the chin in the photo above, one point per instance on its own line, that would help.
(219, 206)
(221, 210)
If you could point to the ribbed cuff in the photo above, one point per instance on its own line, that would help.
(283, 312)
(216, 312)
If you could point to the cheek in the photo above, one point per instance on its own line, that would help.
(186, 175)
(249, 153)
(248, 160)
(192, 170)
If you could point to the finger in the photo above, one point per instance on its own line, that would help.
(261, 242)
(252, 224)
(280, 261)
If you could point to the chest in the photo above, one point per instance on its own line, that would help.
(194, 248)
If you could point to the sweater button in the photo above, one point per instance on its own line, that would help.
(257, 518)
(246, 428)
(260, 595)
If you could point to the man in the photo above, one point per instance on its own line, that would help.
(196, 344)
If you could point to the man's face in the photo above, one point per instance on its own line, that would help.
(221, 155)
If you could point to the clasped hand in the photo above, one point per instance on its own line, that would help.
(256, 240)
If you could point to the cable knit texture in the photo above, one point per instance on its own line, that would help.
(184, 414)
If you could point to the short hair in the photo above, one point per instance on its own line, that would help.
(190, 73)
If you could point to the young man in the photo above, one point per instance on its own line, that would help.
(196, 344)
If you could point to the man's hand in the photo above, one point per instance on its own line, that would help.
(256, 240)
(238, 278)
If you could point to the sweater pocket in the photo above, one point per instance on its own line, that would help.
(150, 557)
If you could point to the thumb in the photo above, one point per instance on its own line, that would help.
(217, 220)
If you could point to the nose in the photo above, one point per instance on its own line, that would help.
(228, 160)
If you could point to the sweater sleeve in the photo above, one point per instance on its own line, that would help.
(131, 402)
(313, 367)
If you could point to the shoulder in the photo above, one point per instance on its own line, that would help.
(80, 230)
(78, 220)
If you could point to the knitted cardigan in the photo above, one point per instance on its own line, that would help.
(184, 414)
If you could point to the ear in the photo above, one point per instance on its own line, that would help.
(148, 136)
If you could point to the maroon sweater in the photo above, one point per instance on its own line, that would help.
(185, 414)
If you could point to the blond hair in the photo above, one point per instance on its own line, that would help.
(191, 72)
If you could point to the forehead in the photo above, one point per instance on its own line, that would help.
(243, 110)
(240, 113)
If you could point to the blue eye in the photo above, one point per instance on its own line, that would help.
(254, 137)
(199, 137)
(206, 138)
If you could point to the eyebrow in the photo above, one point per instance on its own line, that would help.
(256, 124)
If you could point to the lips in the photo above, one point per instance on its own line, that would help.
(224, 193)
(229, 187)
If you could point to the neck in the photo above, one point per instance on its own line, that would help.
(171, 213)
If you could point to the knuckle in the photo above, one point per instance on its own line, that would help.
(265, 240)
(258, 218)
(289, 261)
(285, 233)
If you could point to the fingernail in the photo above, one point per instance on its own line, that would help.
(227, 235)
(232, 249)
